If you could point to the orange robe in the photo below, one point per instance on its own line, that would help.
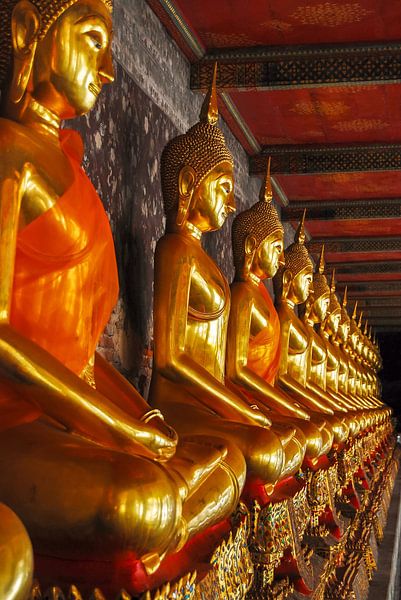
(65, 279)
(264, 348)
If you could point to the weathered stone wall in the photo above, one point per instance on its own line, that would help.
(149, 103)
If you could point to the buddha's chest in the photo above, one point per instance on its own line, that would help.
(208, 311)
(319, 351)
(261, 317)
(333, 360)
(208, 293)
(46, 176)
(298, 339)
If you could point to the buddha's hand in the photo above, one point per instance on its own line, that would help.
(163, 439)
(258, 417)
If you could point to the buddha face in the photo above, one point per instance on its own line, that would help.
(343, 331)
(320, 307)
(354, 339)
(269, 256)
(213, 199)
(301, 286)
(333, 321)
(73, 61)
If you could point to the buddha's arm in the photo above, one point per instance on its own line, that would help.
(170, 329)
(41, 379)
(38, 377)
(236, 364)
(110, 383)
(331, 400)
(307, 397)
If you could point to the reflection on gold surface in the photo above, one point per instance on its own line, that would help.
(16, 557)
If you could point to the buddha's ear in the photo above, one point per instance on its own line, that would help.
(287, 279)
(249, 249)
(186, 187)
(25, 27)
(250, 245)
(186, 181)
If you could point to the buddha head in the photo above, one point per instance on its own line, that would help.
(55, 52)
(319, 299)
(293, 281)
(258, 238)
(197, 173)
(345, 321)
(334, 313)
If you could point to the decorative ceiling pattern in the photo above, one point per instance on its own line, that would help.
(317, 85)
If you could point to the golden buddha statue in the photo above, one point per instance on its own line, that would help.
(355, 361)
(315, 313)
(328, 332)
(292, 284)
(192, 304)
(253, 342)
(16, 557)
(94, 473)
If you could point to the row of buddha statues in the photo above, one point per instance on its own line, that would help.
(243, 394)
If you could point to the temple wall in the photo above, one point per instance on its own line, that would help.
(149, 103)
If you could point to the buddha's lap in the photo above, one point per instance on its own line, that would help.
(294, 456)
(92, 500)
(261, 447)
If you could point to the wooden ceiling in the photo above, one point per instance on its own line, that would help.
(317, 85)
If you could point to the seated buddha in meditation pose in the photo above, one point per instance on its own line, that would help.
(322, 309)
(292, 285)
(355, 349)
(253, 343)
(192, 304)
(92, 471)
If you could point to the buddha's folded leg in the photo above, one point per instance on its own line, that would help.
(338, 427)
(306, 433)
(261, 448)
(218, 497)
(78, 500)
(16, 558)
(294, 456)
(325, 431)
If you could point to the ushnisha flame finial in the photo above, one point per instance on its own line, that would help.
(333, 282)
(210, 111)
(266, 191)
(299, 237)
(354, 311)
(321, 264)
(365, 329)
(345, 297)
(360, 319)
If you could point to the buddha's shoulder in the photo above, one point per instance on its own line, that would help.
(173, 244)
(243, 290)
(15, 142)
